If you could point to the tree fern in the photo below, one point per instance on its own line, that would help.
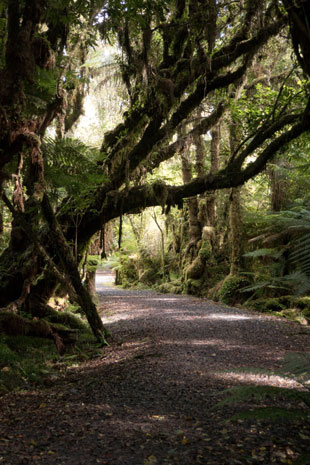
(71, 168)
(294, 225)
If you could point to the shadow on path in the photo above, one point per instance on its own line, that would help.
(148, 400)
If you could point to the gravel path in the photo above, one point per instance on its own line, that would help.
(149, 399)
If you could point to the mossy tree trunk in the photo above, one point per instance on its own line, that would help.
(71, 271)
(162, 246)
(279, 184)
(236, 231)
(211, 198)
(235, 214)
(90, 284)
(194, 224)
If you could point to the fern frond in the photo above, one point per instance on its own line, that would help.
(71, 166)
(273, 253)
(240, 394)
(297, 365)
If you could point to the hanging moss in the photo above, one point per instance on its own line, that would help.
(160, 191)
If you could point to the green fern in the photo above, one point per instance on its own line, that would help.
(71, 168)
(245, 393)
(297, 367)
(272, 253)
(294, 225)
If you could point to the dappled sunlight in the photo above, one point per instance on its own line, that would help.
(143, 423)
(163, 299)
(221, 345)
(215, 316)
(116, 317)
(200, 342)
(258, 379)
(104, 280)
(227, 316)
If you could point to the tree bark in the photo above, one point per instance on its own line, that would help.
(194, 225)
(236, 232)
(235, 215)
(72, 272)
(279, 185)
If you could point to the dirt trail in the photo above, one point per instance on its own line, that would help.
(149, 399)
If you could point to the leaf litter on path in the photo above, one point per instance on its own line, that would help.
(149, 398)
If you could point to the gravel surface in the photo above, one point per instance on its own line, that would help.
(151, 398)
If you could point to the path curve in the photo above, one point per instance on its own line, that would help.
(148, 400)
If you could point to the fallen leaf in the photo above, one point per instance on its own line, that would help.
(151, 460)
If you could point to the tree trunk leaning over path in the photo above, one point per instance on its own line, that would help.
(72, 272)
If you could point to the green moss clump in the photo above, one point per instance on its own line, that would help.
(195, 269)
(230, 291)
(148, 276)
(24, 360)
(194, 286)
(287, 300)
(302, 303)
(127, 272)
(92, 263)
(67, 319)
(172, 287)
(7, 356)
(213, 292)
(271, 304)
(293, 314)
(205, 253)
